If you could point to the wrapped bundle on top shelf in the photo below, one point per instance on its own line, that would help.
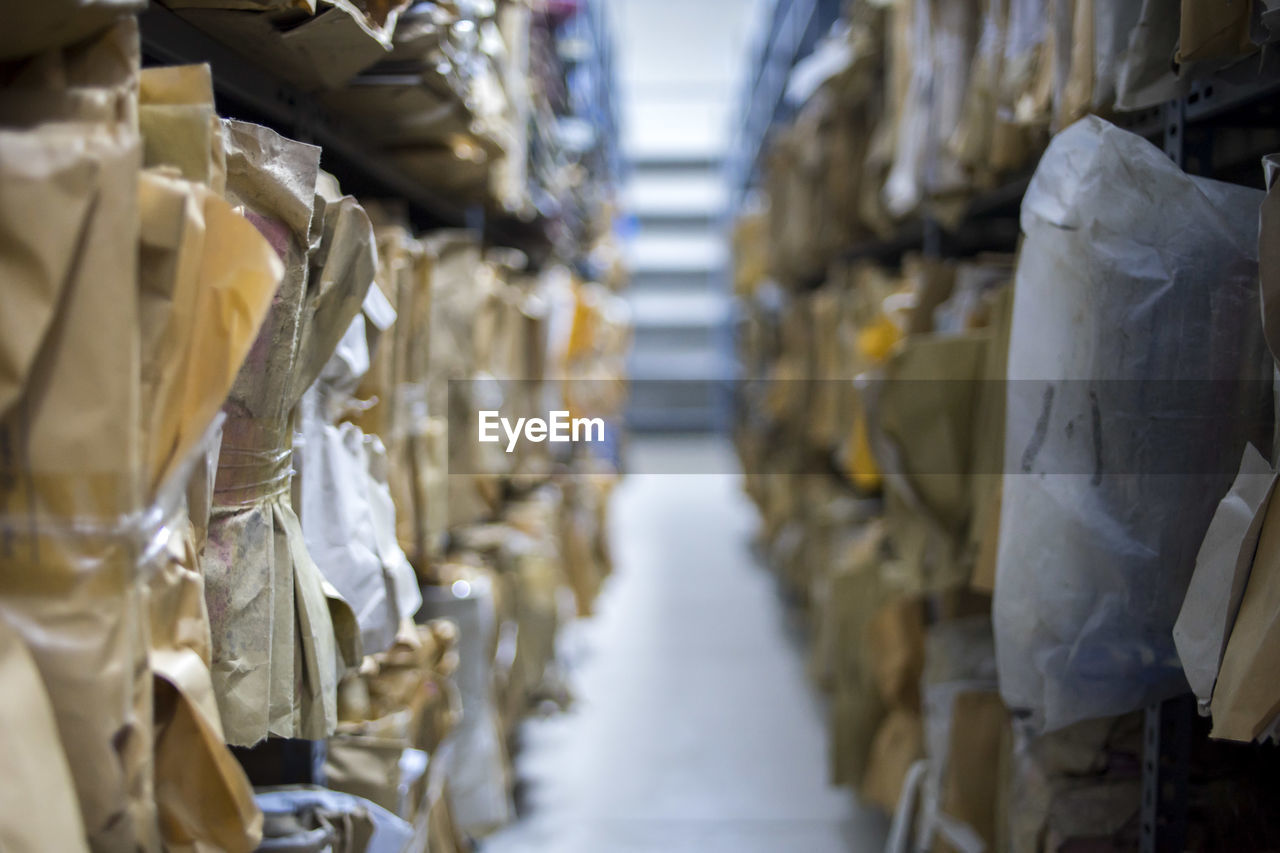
(313, 45)
(815, 174)
(282, 634)
(1115, 457)
(441, 104)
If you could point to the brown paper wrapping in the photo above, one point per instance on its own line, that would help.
(1214, 30)
(39, 810)
(71, 489)
(207, 279)
(970, 782)
(276, 655)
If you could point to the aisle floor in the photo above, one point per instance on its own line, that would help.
(694, 726)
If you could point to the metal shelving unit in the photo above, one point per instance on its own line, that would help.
(794, 27)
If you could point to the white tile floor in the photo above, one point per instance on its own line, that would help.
(695, 727)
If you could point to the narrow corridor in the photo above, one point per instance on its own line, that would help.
(694, 727)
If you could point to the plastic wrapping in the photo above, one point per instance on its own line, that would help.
(1115, 454)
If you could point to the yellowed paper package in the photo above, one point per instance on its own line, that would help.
(1246, 698)
(72, 509)
(39, 811)
(207, 277)
(1214, 30)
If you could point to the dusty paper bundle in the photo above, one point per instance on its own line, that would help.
(1026, 79)
(207, 279)
(180, 128)
(1111, 494)
(281, 634)
(1223, 569)
(347, 516)
(985, 141)
(464, 283)
(72, 494)
(529, 577)
(855, 593)
(1076, 786)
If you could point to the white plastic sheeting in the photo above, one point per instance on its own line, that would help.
(1137, 372)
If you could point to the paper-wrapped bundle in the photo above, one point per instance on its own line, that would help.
(1116, 456)
(281, 635)
(347, 516)
(71, 484)
(207, 278)
(463, 284)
